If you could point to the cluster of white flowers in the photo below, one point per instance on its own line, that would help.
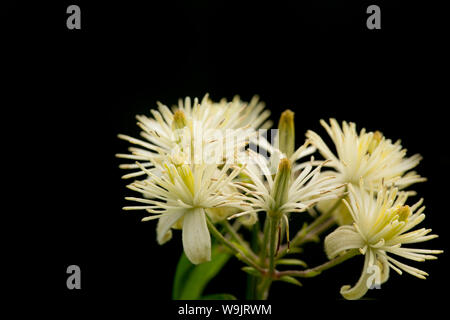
(374, 219)
(190, 158)
(200, 163)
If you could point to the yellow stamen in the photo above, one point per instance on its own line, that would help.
(186, 175)
(179, 120)
(376, 139)
(404, 212)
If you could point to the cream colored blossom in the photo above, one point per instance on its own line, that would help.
(226, 125)
(290, 190)
(382, 226)
(367, 155)
(185, 157)
(180, 196)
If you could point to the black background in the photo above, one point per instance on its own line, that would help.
(77, 89)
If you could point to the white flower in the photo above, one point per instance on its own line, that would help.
(368, 156)
(180, 196)
(197, 125)
(292, 190)
(185, 157)
(381, 226)
(236, 113)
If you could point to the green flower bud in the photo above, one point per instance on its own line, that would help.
(281, 185)
(286, 133)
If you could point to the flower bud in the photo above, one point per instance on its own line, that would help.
(280, 190)
(286, 133)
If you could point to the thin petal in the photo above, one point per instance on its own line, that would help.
(360, 288)
(167, 220)
(196, 238)
(343, 238)
(383, 264)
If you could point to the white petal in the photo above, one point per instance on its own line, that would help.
(360, 288)
(383, 264)
(167, 220)
(343, 238)
(196, 238)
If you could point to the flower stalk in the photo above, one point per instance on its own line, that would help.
(263, 289)
(230, 245)
(321, 224)
(309, 273)
(301, 236)
(234, 235)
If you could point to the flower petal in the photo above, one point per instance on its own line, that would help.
(360, 288)
(167, 220)
(383, 264)
(343, 238)
(196, 238)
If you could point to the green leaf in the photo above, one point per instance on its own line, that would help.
(219, 296)
(292, 262)
(184, 268)
(295, 250)
(251, 271)
(190, 280)
(292, 280)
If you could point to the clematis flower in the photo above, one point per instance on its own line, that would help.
(237, 113)
(382, 225)
(200, 122)
(367, 155)
(180, 197)
(291, 190)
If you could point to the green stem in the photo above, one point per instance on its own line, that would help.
(238, 239)
(272, 244)
(321, 219)
(319, 229)
(322, 223)
(263, 288)
(309, 273)
(252, 280)
(230, 245)
(263, 249)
